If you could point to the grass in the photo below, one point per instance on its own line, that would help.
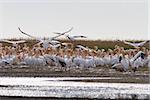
(101, 44)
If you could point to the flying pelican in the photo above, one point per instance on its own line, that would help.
(82, 47)
(45, 42)
(54, 42)
(72, 38)
(55, 46)
(14, 43)
(63, 33)
(66, 45)
(136, 45)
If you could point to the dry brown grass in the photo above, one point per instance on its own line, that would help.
(101, 44)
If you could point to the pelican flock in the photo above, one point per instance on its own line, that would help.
(50, 52)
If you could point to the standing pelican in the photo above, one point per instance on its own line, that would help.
(137, 60)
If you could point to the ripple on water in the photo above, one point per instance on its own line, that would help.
(55, 87)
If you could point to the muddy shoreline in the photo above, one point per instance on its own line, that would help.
(141, 76)
(53, 98)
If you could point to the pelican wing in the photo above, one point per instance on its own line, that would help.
(7, 41)
(21, 41)
(135, 44)
(54, 42)
(132, 44)
(81, 36)
(60, 34)
(14, 42)
(55, 46)
(70, 38)
(141, 43)
(82, 47)
(128, 43)
(26, 33)
(68, 30)
(57, 33)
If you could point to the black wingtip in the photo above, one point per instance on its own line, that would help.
(19, 28)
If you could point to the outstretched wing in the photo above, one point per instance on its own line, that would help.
(132, 44)
(60, 34)
(7, 41)
(25, 33)
(141, 43)
(54, 42)
(81, 36)
(64, 32)
(21, 41)
(81, 47)
(68, 31)
(14, 42)
(135, 44)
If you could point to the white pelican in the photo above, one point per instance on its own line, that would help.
(55, 46)
(2, 63)
(63, 33)
(138, 60)
(123, 64)
(148, 61)
(45, 42)
(69, 61)
(90, 62)
(9, 59)
(14, 43)
(72, 38)
(83, 48)
(50, 59)
(136, 45)
(115, 59)
(107, 59)
(60, 61)
(99, 61)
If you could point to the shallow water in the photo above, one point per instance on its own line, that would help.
(57, 87)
